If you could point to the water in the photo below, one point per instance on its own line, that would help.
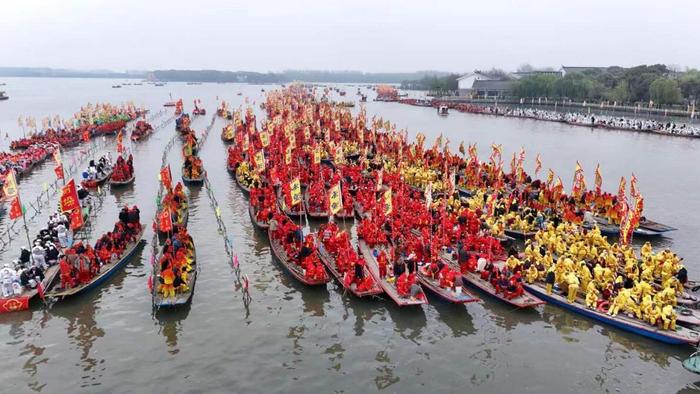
(296, 339)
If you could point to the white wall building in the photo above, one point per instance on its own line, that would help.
(466, 81)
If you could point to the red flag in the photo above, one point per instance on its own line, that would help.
(150, 283)
(120, 146)
(59, 171)
(166, 177)
(165, 222)
(69, 197)
(86, 135)
(15, 208)
(76, 219)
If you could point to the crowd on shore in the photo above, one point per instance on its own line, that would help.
(617, 122)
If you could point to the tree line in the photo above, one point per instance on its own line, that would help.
(643, 83)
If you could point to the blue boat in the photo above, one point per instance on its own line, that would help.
(105, 273)
(681, 335)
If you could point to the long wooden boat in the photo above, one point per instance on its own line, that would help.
(291, 266)
(461, 296)
(681, 335)
(329, 261)
(313, 214)
(526, 300)
(180, 299)
(105, 273)
(389, 288)
(646, 228)
(253, 215)
(126, 182)
(93, 183)
(21, 302)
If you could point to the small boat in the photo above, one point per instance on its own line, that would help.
(169, 103)
(526, 300)
(458, 296)
(443, 110)
(94, 183)
(646, 228)
(21, 302)
(4, 96)
(199, 181)
(329, 261)
(180, 299)
(681, 335)
(389, 288)
(106, 271)
(293, 268)
(126, 182)
(159, 84)
(199, 111)
(253, 215)
(116, 86)
(313, 214)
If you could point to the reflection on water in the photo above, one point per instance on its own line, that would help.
(385, 371)
(169, 323)
(456, 317)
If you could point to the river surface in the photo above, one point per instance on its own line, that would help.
(300, 340)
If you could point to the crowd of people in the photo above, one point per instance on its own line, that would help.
(82, 262)
(347, 261)
(176, 262)
(299, 250)
(123, 169)
(99, 169)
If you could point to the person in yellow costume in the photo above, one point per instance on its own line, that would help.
(168, 278)
(532, 273)
(598, 273)
(645, 251)
(592, 294)
(668, 315)
(642, 289)
(654, 314)
(645, 307)
(573, 282)
(620, 302)
(584, 274)
(666, 296)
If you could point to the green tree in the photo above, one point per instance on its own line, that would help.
(690, 84)
(534, 86)
(620, 93)
(665, 91)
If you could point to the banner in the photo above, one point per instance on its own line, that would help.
(59, 171)
(335, 199)
(76, 219)
(598, 180)
(57, 155)
(428, 194)
(288, 156)
(295, 191)
(15, 208)
(388, 206)
(166, 177)
(120, 145)
(165, 222)
(260, 161)
(264, 139)
(317, 155)
(538, 164)
(69, 197)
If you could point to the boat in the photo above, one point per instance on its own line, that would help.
(4, 96)
(199, 111)
(180, 299)
(193, 181)
(518, 234)
(681, 335)
(526, 300)
(106, 271)
(443, 110)
(126, 182)
(21, 302)
(169, 103)
(116, 86)
(240, 184)
(313, 214)
(253, 215)
(294, 269)
(646, 228)
(329, 261)
(94, 183)
(458, 296)
(159, 84)
(389, 288)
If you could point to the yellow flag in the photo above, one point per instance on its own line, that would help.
(387, 203)
(317, 155)
(10, 186)
(295, 191)
(260, 161)
(292, 140)
(264, 139)
(307, 133)
(335, 198)
(288, 156)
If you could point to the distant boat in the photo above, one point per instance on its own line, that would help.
(159, 84)
(116, 86)
(194, 83)
(3, 95)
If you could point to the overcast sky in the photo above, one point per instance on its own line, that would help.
(372, 35)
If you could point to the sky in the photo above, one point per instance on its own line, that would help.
(373, 36)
